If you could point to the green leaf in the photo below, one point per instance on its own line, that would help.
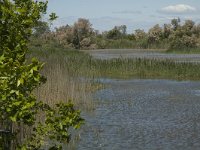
(2, 58)
(18, 83)
(17, 103)
(13, 118)
(53, 16)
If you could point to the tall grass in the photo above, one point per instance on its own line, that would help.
(146, 68)
(70, 74)
(63, 80)
(86, 66)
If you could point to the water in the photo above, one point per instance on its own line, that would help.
(148, 54)
(144, 114)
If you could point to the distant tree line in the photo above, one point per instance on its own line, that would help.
(81, 35)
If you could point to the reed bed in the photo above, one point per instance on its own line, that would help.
(71, 75)
(147, 68)
(76, 65)
(63, 81)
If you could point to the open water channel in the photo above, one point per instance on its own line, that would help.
(142, 114)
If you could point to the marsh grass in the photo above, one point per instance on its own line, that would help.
(127, 68)
(71, 75)
(147, 68)
(63, 80)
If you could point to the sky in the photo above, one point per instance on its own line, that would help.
(135, 14)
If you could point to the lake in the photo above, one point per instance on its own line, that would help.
(143, 114)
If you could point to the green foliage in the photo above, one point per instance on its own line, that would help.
(183, 37)
(81, 64)
(155, 34)
(114, 34)
(175, 23)
(76, 36)
(82, 36)
(55, 129)
(18, 79)
(41, 28)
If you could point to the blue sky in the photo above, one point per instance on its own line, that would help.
(105, 14)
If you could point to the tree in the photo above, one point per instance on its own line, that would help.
(76, 36)
(184, 42)
(188, 26)
(183, 37)
(122, 29)
(114, 34)
(64, 35)
(155, 34)
(18, 106)
(167, 30)
(41, 28)
(196, 30)
(175, 23)
(141, 38)
(82, 29)
(140, 34)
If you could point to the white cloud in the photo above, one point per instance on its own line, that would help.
(178, 9)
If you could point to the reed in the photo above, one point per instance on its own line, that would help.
(63, 82)
(70, 74)
(147, 68)
(73, 75)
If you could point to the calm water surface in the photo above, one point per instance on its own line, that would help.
(144, 114)
(148, 54)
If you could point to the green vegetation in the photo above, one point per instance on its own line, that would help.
(63, 77)
(144, 68)
(78, 64)
(34, 115)
(81, 35)
(20, 111)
